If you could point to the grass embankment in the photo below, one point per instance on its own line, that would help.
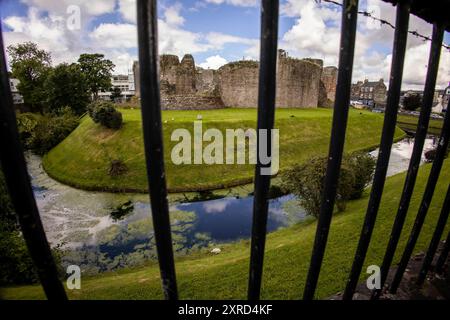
(288, 253)
(83, 158)
(409, 123)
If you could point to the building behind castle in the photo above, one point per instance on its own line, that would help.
(301, 83)
(370, 93)
(123, 82)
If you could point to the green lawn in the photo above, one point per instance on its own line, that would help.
(83, 159)
(288, 252)
(409, 123)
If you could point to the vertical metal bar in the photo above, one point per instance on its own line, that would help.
(426, 201)
(340, 115)
(443, 217)
(443, 256)
(266, 116)
(414, 163)
(18, 182)
(153, 141)
(390, 119)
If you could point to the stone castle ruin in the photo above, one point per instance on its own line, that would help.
(301, 83)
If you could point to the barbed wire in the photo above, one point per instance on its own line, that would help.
(384, 22)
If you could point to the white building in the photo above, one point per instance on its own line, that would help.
(17, 97)
(126, 85)
(441, 101)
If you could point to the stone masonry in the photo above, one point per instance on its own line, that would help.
(301, 83)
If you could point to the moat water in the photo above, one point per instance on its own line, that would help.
(80, 222)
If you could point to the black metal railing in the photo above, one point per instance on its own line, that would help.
(340, 115)
(387, 137)
(266, 118)
(18, 182)
(153, 141)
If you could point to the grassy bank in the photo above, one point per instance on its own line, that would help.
(83, 159)
(288, 253)
(409, 123)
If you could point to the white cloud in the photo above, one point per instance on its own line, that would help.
(219, 40)
(172, 37)
(213, 62)
(45, 25)
(239, 3)
(172, 15)
(47, 32)
(35, 26)
(312, 35)
(127, 9)
(415, 68)
(115, 35)
(316, 33)
(216, 206)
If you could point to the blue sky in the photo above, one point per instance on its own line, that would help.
(216, 32)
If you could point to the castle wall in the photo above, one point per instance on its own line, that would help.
(300, 83)
(329, 79)
(206, 82)
(190, 102)
(238, 84)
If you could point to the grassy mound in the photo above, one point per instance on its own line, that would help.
(84, 158)
(288, 253)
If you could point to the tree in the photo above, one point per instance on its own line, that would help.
(307, 180)
(412, 101)
(97, 71)
(66, 86)
(116, 94)
(30, 65)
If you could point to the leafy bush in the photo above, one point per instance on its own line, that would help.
(412, 101)
(103, 112)
(430, 154)
(275, 191)
(51, 130)
(7, 217)
(26, 122)
(17, 266)
(15, 261)
(306, 180)
(362, 166)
